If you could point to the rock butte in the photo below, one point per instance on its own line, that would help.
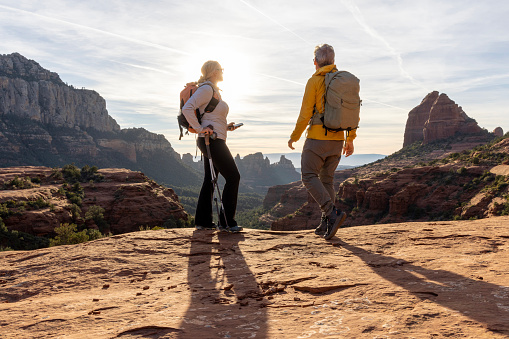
(437, 117)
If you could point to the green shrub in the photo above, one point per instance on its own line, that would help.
(15, 240)
(90, 174)
(75, 212)
(56, 174)
(67, 234)
(172, 222)
(39, 203)
(96, 213)
(71, 173)
(94, 234)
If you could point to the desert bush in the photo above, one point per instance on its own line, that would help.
(19, 183)
(71, 173)
(39, 203)
(15, 240)
(75, 212)
(94, 234)
(67, 234)
(56, 173)
(173, 222)
(96, 213)
(90, 174)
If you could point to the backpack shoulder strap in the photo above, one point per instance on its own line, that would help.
(213, 101)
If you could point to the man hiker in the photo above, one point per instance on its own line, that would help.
(322, 149)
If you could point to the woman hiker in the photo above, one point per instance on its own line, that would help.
(213, 122)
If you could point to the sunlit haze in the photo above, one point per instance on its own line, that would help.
(139, 55)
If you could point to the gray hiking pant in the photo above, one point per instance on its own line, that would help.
(318, 164)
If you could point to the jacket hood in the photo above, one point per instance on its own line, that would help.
(324, 70)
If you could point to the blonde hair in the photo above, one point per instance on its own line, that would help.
(208, 68)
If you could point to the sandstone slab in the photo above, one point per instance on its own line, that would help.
(422, 280)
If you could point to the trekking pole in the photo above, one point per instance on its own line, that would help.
(215, 184)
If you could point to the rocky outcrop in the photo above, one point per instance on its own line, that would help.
(406, 280)
(436, 118)
(28, 90)
(130, 200)
(417, 117)
(45, 122)
(499, 132)
(470, 184)
(293, 208)
(256, 171)
(446, 119)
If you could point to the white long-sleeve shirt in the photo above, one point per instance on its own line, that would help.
(216, 118)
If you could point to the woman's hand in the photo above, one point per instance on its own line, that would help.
(207, 131)
(231, 127)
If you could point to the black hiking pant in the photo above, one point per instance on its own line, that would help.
(224, 165)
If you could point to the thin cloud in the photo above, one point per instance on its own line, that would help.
(275, 21)
(364, 99)
(142, 67)
(370, 31)
(282, 79)
(118, 36)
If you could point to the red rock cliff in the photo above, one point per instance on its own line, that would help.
(437, 117)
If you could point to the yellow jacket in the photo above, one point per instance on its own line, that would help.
(313, 97)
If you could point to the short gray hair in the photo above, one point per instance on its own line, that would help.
(324, 55)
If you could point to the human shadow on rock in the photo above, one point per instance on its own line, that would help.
(478, 300)
(226, 301)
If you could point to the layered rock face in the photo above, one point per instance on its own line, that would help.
(417, 117)
(30, 91)
(468, 185)
(130, 200)
(256, 172)
(44, 122)
(436, 118)
(446, 119)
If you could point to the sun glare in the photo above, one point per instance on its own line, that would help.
(237, 76)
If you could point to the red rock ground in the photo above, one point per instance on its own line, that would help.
(409, 280)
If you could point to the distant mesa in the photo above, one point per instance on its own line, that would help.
(437, 117)
(45, 122)
(256, 171)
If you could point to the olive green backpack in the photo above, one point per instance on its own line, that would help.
(341, 103)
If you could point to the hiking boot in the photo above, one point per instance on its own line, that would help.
(201, 228)
(233, 229)
(222, 228)
(322, 228)
(236, 229)
(334, 222)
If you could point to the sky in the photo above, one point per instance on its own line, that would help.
(139, 55)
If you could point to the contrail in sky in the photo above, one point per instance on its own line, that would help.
(142, 67)
(360, 20)
(140, 42)
(364, 99)
(274, 21)
(282, 79)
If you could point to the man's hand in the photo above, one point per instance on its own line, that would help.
(348, 149)
(290, 144)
